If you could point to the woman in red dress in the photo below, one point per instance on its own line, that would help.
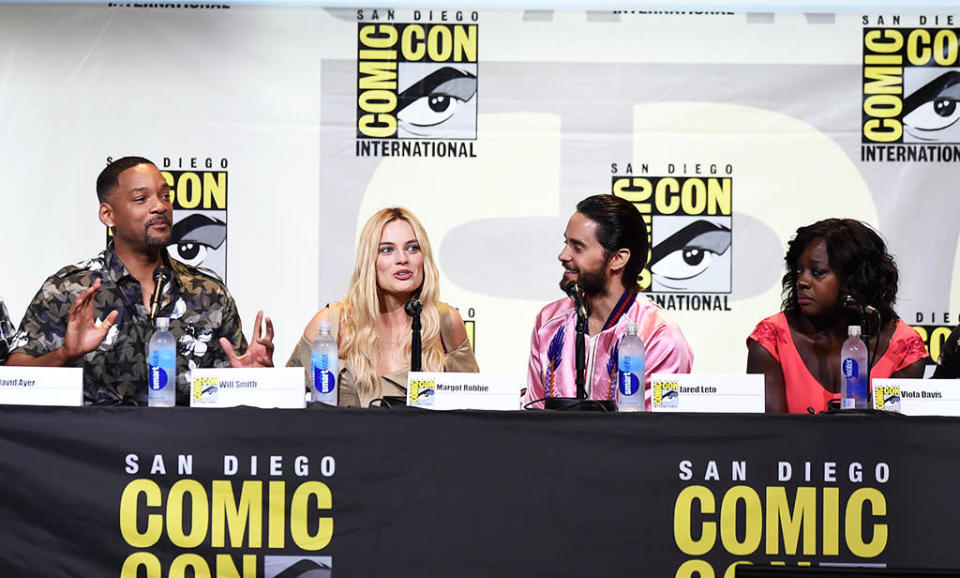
(798, 349)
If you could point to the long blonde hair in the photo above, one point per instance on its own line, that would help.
(359, 325)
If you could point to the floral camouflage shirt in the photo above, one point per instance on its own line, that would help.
(200, 309)
(6, 332)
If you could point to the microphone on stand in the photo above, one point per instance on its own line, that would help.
(851, 304)
(161, 276)
(575, 292)
(413, 307)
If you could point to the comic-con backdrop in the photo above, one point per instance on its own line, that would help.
(282, 128)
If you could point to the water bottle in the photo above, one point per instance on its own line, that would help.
(631, 379)
(854, 391)
(162, 366)
(323, 359)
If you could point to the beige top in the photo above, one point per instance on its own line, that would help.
(395, 383)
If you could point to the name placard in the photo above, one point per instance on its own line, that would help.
(464, 390)
(41, 385)
(707, 392)
(261, 387)
(917, 396)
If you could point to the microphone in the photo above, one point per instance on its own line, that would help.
(851, 304)
(575, 292)
(413, 307)
(161, 276)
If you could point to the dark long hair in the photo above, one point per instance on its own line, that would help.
(858, 257)
(619, 226)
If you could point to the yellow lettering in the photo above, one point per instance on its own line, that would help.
(915, 54)
(831, 521)
(178, 568)
(945, 47)
(298, 516)
(665, 196)
(883, 80)
(228, 514)
(883, 41)
(146, 560)
(199, 515)
(853, 528)
(377, 75)
(439, 43)
(378, 35)
(465, 44)
(277, 514)
(128, 513)
(883, 130)
(683, 520)
(699, 567)
(802, 516)
(412, 42)
(378, 126)
(753, 522)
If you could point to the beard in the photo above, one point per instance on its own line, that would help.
(154, 240)
(593, 282)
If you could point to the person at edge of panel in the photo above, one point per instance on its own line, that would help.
(95, 314)
(949, 364)
(798, 349)
(6, 332)
(605, 249)
(394, 263)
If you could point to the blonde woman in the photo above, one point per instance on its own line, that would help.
(394, 263)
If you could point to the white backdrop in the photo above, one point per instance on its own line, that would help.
(561, 97)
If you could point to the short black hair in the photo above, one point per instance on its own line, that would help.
(109, 177)
(858, 257)
(619, 226)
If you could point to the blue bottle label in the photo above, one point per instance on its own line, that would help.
(850, 368)
(324, 380)
(159, 360)
(628, 383)
(856, 383)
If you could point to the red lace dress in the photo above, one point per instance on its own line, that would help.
(802, 389)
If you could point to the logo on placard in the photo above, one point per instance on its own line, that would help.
(688, 209)
(911, 90)
(887, 398)
(423, 392)
(416, 83)
(198, 191)
(666, 394)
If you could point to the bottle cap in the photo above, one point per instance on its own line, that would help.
(323, 327)
(853, 330)
(631, 328)
(163, 323)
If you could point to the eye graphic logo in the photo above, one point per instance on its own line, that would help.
(691, 254)
(437, 101)
(199, 234)
(689, 222)
(932, 107)
(911, 94)
(417, 81)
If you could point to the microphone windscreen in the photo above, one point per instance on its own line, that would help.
(413, 307)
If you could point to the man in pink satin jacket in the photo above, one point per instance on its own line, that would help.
(605, 250)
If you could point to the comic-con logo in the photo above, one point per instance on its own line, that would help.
(911, 93)
(689, 223)
(199, 234)
(417, 80)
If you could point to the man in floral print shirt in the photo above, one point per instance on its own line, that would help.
(6, 332)
(95, 314)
